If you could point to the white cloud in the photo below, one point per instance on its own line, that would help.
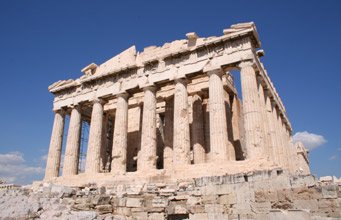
(11, 158)
(310, 140)
(13, 169)
(334, 157)
(44, 158)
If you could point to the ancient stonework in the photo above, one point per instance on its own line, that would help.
(172, 108)
(261, 195)
(170, 138)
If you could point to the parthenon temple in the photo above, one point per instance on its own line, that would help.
(174, 111)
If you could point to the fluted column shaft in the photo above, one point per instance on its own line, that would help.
(283, 148)
(217, 111)
(95, 138)
(103, 154)
(119, 148)
(169, 122)
(147, 155)
(252, 113)
(292, 152)
(198, 130)
(231, 153)
(265, 125)
(71, 157)
(53, 159)
(286, 146)
(278, 148)
(272, 129)
(181, 138)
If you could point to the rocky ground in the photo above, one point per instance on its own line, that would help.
(262, 195)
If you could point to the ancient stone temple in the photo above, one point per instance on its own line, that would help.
(169, 137)
(174, 111)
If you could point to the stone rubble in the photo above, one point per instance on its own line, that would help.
(267, 194)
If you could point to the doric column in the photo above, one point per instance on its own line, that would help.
(218, 127)
(252, 113)
(292, 152)
(103, 154)
(265, 125)
(71, 157)
(286, 147)
(147, 156)
(169, 122)
(237, 128)
(206, 111)
(119, 148)
(53, 159)
(181, 138)
(231, 153)
(95, 138)
(276, 124)
(198, 130)
(273, 147)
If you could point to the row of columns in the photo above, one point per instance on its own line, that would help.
(146, 160)
(265, 132)
(266, 135)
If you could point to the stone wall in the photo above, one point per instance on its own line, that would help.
(259, 195)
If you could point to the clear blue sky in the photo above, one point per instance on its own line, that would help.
(45, 41)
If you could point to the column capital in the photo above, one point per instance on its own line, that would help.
(150, 88)
(181, 80)
(124, 95)
(219, 72)
(98, 100)
(259, 78)
(59, 111)
(274, 105)
(75, 106)
(197, 96)
(247, 63)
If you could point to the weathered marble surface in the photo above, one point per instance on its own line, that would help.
(263, 194)
(173, 111)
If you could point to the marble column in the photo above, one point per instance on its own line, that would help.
(181, 138)
(147, 156)
(95, 138)
(231, 153)
(197, 130)
(169, 122)
(267, 142)
(254, 134)
(206, 111)
(53, 159)
(71, 157)
(278, 127)
(273, 147)
(292, 152)
(103, 154)
(286, 147)
(238, 128)
(218, 127)
(119, 148)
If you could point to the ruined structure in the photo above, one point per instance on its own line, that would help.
(170, 138)
(172, 111)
